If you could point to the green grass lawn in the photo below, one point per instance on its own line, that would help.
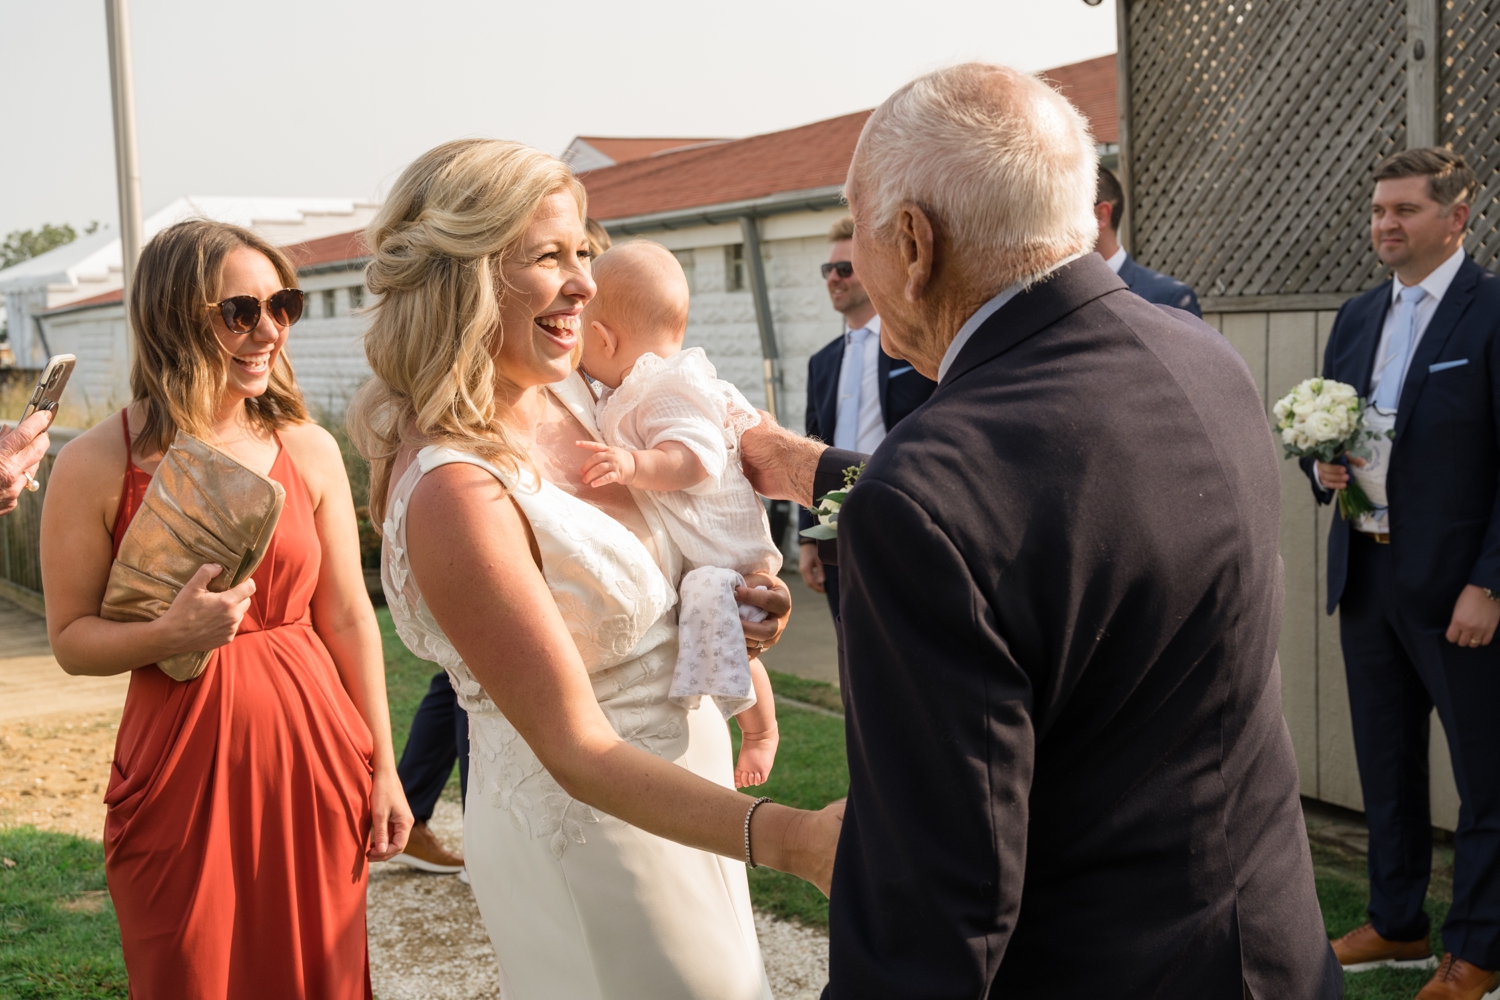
(810, 772)
(58, 937)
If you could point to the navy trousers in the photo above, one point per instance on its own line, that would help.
(439, 736)
(1399, 668)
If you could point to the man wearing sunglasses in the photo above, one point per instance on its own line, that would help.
(855, 391)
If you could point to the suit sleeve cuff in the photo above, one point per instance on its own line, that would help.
(830, 477)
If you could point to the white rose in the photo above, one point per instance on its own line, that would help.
(829, 508)
(1321, 427)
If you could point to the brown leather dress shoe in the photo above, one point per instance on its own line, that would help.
(1362, 949)
(1456, 979)
(425, 852)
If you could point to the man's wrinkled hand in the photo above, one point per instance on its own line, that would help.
(22, 449)
(779, 464)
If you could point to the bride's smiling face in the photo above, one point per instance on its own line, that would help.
(547, 284)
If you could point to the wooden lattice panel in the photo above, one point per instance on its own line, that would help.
(1254, 128)
(1469, 109)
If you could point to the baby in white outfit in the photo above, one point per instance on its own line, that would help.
(672, 426)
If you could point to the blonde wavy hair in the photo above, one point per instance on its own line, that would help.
(438, 245)
(180, 372)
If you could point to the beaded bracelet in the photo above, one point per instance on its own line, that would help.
(753, 806)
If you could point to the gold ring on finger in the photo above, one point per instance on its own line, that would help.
(1473, 643)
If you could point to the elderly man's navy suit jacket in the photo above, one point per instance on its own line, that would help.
(1070, 777)
(1443, 481)
(1162, 289)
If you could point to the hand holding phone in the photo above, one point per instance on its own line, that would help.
(49, 388)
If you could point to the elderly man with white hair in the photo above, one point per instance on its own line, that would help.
(1069, 772)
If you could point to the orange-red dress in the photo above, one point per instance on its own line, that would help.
(239, 802)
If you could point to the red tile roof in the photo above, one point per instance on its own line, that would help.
(102, 299)
(812, 156)
(1091, 86)
(625, 150)
(327, 250)
(797, 159)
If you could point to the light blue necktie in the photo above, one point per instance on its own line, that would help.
(846, 434)
(1388, 394)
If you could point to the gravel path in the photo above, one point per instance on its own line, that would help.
(427, 941)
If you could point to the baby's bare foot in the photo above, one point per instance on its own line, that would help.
(757, 754)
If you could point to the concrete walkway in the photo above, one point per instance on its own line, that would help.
(31, 682)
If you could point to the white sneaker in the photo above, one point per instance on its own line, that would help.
(463, 876)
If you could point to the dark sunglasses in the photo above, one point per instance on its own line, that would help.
(242, 312)
(843, 267)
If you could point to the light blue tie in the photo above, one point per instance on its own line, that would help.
(846, 434)
(1388, 394)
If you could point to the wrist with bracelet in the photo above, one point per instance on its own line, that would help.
(749, 859)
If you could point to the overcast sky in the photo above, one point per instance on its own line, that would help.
(334, 97)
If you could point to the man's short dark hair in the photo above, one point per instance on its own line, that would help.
(842, 230)
(1449, 179)
(1109, 190)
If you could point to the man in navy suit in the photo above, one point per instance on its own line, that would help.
(853, 396)
(1417, 583)
(1153, 286)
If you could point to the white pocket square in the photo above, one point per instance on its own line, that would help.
(1445, 365)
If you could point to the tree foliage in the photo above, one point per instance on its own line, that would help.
(24, 244)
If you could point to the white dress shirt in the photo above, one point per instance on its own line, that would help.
(1117, 261)
(1372, 477)
(1436, 286)
(987, 310)
(862, 368)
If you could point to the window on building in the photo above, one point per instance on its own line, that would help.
(734, 268)
(689, 261)
(356, 297)
(328, 303)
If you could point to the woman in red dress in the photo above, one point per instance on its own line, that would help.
(243, 804)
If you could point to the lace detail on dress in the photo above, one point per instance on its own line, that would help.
(617, 607)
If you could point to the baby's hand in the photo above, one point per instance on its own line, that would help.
(607, 465)
(757, 754)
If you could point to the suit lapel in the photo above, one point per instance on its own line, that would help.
(1449, 311)
(828, 404)
(1063, 291)
(883, 374)
(1366, 351)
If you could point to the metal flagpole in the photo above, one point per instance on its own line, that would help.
(127, 164)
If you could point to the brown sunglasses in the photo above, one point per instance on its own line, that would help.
(242, 312)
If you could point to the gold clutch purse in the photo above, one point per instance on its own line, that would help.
(201, 507)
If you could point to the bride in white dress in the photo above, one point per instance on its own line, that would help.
(603, 836)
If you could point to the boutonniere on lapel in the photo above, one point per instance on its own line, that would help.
(1325, 420)
(827, 509)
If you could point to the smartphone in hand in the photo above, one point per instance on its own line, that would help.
(49, 388)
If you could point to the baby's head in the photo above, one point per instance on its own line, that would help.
(641, 306)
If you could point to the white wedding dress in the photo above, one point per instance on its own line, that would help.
(580, 905)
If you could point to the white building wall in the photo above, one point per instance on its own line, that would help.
(101, 381)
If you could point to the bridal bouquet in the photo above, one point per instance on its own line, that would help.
(1324, 419)
(827, 509)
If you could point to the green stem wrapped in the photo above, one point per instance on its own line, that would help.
(1353, 502)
